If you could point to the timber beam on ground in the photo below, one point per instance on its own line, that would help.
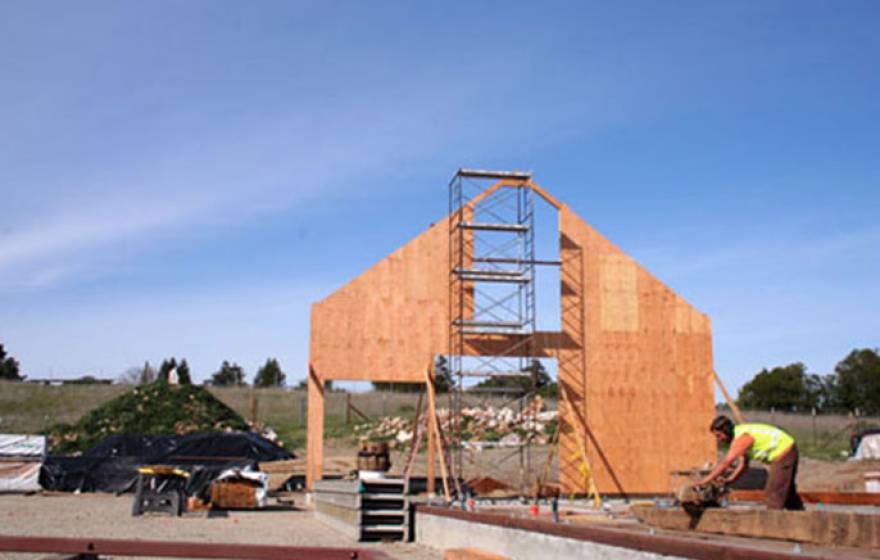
(634, 539)
(824, 528)
(827, 498)
(123, 547)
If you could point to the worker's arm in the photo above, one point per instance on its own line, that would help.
(738, 448)
(738, 470)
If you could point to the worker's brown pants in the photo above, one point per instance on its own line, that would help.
(781, 484)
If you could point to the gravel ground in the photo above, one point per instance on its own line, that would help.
(106, 516)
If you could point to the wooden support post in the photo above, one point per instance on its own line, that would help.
(315, 430)
(418, 435)
(358, 411)
(431, 425)
(737, 414)
(438, 437)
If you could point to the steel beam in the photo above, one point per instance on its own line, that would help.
(491, 174)
(124, 547)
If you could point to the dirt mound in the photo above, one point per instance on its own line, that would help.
(158, 408)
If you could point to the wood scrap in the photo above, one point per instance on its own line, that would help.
(234, 494)
(486, 486)
(471, 553)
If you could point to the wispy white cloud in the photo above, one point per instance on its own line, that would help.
(272, 166)
(683, 261)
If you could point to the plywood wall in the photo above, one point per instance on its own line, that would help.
(642, 374)
(388, 323)
(635, 358)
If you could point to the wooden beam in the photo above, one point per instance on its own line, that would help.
(829, 528)
(471, 553)
(545, 195)
(829, 498)
(418, 435)
(435, 429)
(737, 413)
(355, 409)
(93, 548)
(537, 189)
(842, 498)
(315, 429)
(430, 472)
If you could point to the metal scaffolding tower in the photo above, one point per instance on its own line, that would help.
(491, 286)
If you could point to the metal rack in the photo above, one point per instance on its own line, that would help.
(491, 284)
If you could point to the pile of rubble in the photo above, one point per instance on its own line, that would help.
(481, 427)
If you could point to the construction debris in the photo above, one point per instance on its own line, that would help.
(21, 457)
(481, 427)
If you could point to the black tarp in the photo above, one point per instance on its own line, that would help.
(111, 465)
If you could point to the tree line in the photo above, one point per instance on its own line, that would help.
(230, 374)
(853, 387)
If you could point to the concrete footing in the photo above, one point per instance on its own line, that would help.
(524, 537)
(443, 532)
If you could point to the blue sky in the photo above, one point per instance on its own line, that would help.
(185, 178)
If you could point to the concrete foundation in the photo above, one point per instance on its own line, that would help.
(448, 532)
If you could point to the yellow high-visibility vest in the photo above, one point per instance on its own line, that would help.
(770, 442)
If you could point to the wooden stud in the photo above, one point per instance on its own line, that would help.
(315, 429)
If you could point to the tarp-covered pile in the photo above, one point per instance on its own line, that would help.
(867, 446)
(111, 465)
(20, 459)
(157, 408)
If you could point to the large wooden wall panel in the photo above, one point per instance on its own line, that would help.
(647, 380)
(634, 357)
(386, 324)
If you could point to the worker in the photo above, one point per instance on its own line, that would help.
(764, 443)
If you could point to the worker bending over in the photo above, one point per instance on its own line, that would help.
(764, 443)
